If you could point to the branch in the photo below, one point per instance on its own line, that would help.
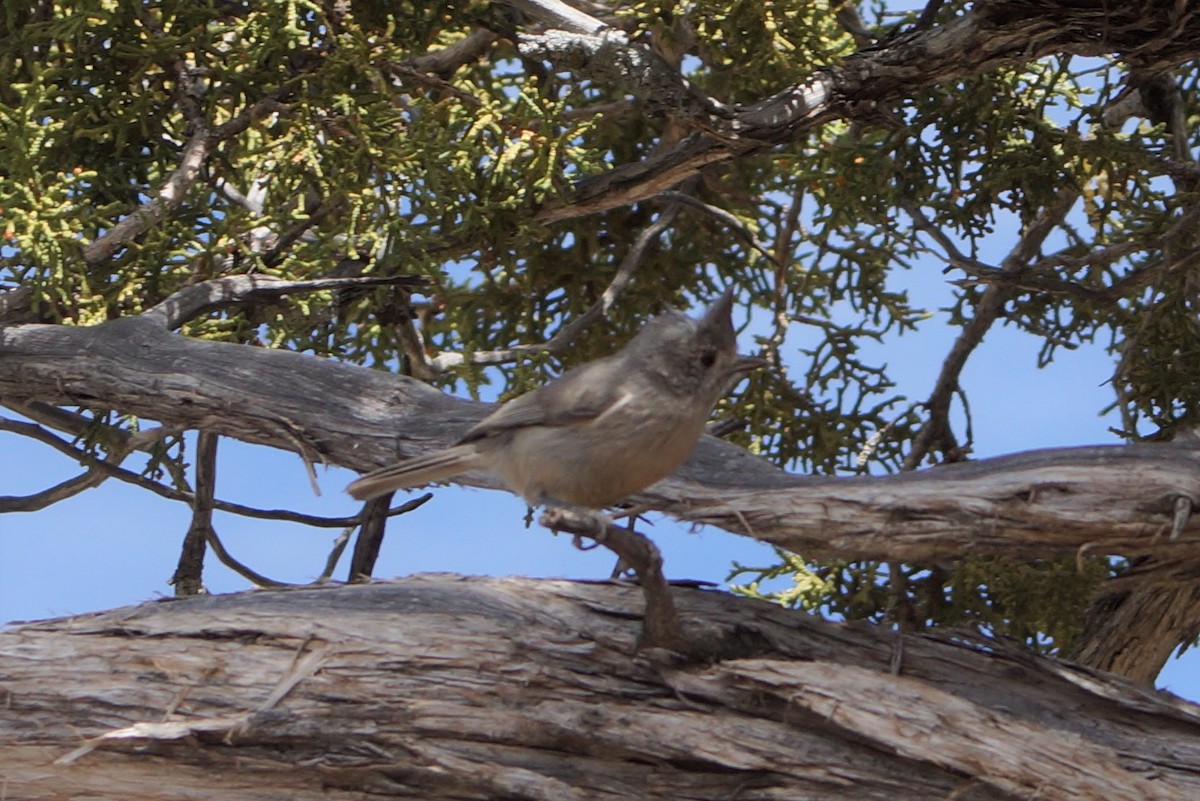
(218, 293)
(1136, 620)
(557, 14)
(372, 526)
(661, 627)
(937, 432)
(985, 37)
(608, 57)
(450, 688)
(188, 578)
(16, 305)
(168, 197)
(109, 469)
(97, 469)
(737, 226)
(90, 478)
(1054, 503)
(449, 58)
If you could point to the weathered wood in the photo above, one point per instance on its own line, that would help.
(440, 687)
(1137, 621)
(1063, 502)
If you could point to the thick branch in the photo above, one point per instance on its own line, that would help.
(1116, 499)
(1132, 628)
(441, 688)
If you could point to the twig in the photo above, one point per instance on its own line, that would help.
(89, 479)
(188, 578)
(736, 225)
(335, 555)
(97, 469)
(661, 627)
(226, 558)
(937, 432)
(109, 469)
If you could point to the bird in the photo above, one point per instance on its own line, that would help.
(602, 431)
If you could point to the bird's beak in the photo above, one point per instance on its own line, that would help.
(746, 364)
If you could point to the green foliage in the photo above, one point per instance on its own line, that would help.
(320, 113)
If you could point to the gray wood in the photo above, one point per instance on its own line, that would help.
(443, 687)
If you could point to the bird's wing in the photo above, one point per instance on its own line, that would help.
(574, 397)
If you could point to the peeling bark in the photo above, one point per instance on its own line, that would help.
(439, 687)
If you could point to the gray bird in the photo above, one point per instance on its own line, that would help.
(602, 431)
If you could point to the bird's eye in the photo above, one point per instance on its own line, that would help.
(708, 357)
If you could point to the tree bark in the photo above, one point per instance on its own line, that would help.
(439, 687)
(1134, 624)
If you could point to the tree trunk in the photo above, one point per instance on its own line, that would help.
(1136, 621)
(440, 687)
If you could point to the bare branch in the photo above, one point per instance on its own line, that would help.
(165, 200)
(92, 477)
(99, 470)
(253, 576)
(559, 15)
(370, 537)
(218, 293)
(936, 432)
(1040, 504)
(95, 474)
(661, 627)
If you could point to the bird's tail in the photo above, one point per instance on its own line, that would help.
(414, 472)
